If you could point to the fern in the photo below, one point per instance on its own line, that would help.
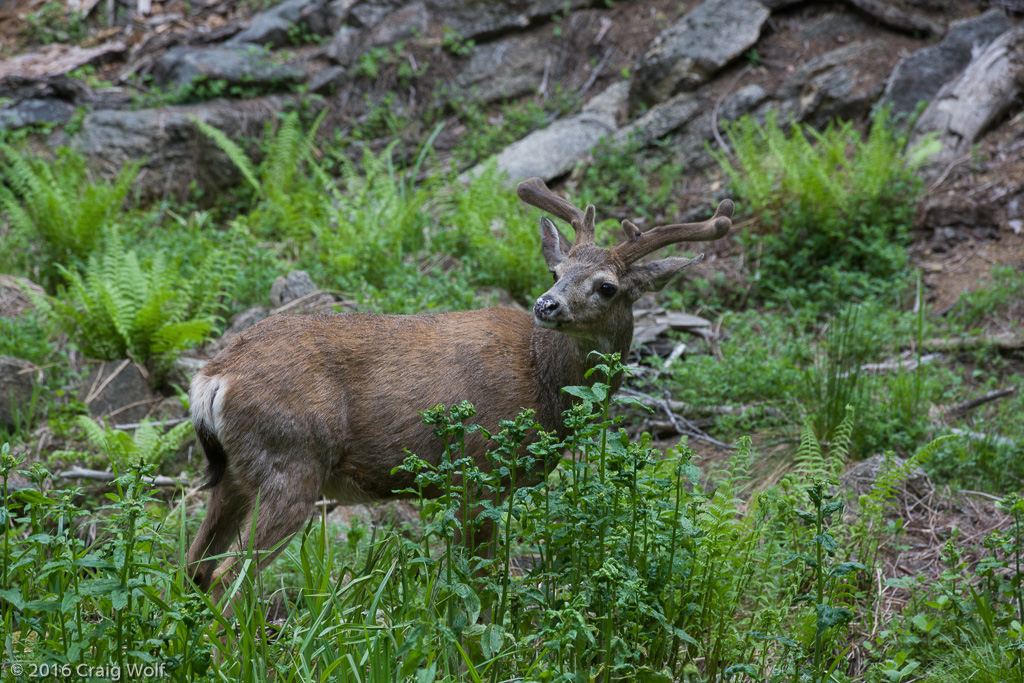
(55, 207)
(288, 191)
(149, 444)
(814, 189)
(146, 310)
(233, 151)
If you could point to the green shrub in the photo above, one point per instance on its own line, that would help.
(835, 207)
(289, 191)
(498, 240)
(123, 305)
(53, 22)
(60, 203)
(629, 175)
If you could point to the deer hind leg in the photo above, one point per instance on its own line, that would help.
(225, 511)
(278, 508)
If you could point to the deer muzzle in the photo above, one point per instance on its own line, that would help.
(549, 312)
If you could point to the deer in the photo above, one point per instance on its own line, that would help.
(304, 407)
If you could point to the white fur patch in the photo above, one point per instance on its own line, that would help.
(206, 400)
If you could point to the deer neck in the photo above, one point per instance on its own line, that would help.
(563, 360)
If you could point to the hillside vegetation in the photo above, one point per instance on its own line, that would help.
(819, 482)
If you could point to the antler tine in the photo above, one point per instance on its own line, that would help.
(535, 193)
(639, 244)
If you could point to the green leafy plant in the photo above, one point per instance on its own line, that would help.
(628, 174)
(53, 22)
(287, 187)
(57, 210)
(812, 191)
(148, 445)
(123, 305)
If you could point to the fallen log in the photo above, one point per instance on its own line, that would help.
(1004, 341)
(98, 475)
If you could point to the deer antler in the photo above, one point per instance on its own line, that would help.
(536, 193)
(638, 244)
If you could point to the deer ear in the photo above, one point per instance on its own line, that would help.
(655, 275)
(553, 243)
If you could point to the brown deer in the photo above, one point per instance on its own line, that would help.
(300, 407)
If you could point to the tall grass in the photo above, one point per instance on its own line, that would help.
(621, 565)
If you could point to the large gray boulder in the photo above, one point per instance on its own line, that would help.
(175, 152)
(918, 77)
(693, 49)
(247, 66)
(553, 151)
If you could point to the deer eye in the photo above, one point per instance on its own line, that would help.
(608, 290)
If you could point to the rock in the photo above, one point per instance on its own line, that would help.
(833, 26)
(175, 152)
(18, 379)
(553, 151)
(408, 22)
(841, 84)
(661, 119)
(169, 408)
(504, 69)
(336, 13)
(182, 370)
(692, 50)
(239, 323)
(329, 79)
(687, 111)
(249, 66)
(14, 295)
(965, 107)
(32, 112)
(693, 153)
(119, 391)
(344, 517)
(286, 289)
(283, 25)
(918, 77)
(475, 20)
(369, 14)
(860, 478)
(345, 46)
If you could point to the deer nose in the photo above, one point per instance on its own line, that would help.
(545, 308)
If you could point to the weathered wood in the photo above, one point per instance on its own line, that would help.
(967, 106)
(962, 408)
(98, 475)
(1005, 341)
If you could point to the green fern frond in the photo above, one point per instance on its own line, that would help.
(809, 458)
(235, 153)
